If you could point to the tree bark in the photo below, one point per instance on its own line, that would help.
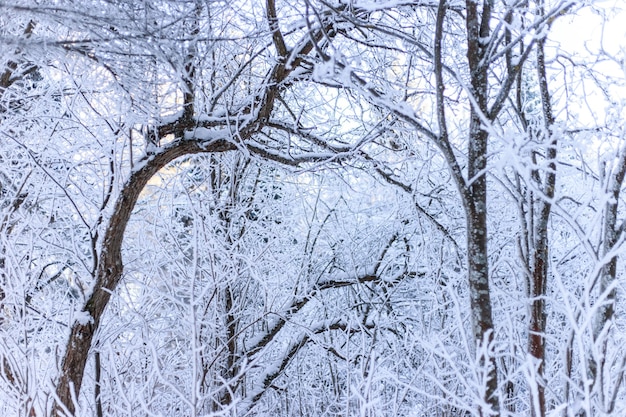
(477, 25)
(539, 278)
(110, 268)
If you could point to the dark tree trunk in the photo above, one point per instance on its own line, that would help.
(477, 24)
(540, 256)
(110, 269)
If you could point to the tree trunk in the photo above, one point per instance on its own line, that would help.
(478, 277)
(477, 25)
(110, 270)
(539, 278)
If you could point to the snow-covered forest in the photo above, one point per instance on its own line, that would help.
(312, 208)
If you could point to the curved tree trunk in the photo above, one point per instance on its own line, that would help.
(110, 267)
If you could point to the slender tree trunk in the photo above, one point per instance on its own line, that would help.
(538, 317)
(540, 255)
(612, 233)
(110, 270)
(477, 24)
(478, 276)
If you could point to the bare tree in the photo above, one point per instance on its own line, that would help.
(307, 207)
(495, 52)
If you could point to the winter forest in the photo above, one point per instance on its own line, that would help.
(356, 208)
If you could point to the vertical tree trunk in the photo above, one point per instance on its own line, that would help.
(478, 276)
(612, 233)
(538, 316)
(477, 25)
(540, 255)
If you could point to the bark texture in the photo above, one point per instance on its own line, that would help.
(110, 268)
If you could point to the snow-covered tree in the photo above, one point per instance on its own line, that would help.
(310, 208)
